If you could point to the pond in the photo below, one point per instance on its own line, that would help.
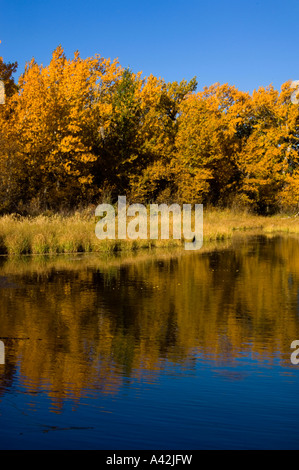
(161, 351)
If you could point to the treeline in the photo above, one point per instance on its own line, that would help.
(81, 131)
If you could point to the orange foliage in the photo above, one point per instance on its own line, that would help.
(79, 129)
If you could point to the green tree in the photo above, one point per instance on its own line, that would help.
(6, 74)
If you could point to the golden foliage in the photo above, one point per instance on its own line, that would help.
(79, 129)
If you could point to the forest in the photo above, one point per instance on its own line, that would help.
(80, 131)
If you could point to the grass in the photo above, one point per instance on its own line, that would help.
(76, 233)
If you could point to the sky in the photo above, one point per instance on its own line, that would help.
(243, 43)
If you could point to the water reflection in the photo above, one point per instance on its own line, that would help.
(77, 327)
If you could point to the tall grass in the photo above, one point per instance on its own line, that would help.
(76, 233)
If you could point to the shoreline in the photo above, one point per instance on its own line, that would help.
(74, 234)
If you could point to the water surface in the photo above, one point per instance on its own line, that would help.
(158, 351)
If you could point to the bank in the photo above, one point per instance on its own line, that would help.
(75, 233)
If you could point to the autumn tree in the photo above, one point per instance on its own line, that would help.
(54, 119)
(79, 128)
(268, 159)
(6, 75)
(119, 145)
(207, 141)
(10, 189)
(162, 175)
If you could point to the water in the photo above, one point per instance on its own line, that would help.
(160, 351)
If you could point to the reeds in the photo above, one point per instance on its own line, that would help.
(76, 233)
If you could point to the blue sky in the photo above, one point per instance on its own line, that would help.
(244, 43)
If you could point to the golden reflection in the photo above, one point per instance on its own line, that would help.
(79, 324)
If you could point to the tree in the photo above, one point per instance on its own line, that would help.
(162, 174)
(268, 160)
(207, 141)
(120, 143)
(54, 119)
(6, 74)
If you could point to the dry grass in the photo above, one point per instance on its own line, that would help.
(76, 233)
